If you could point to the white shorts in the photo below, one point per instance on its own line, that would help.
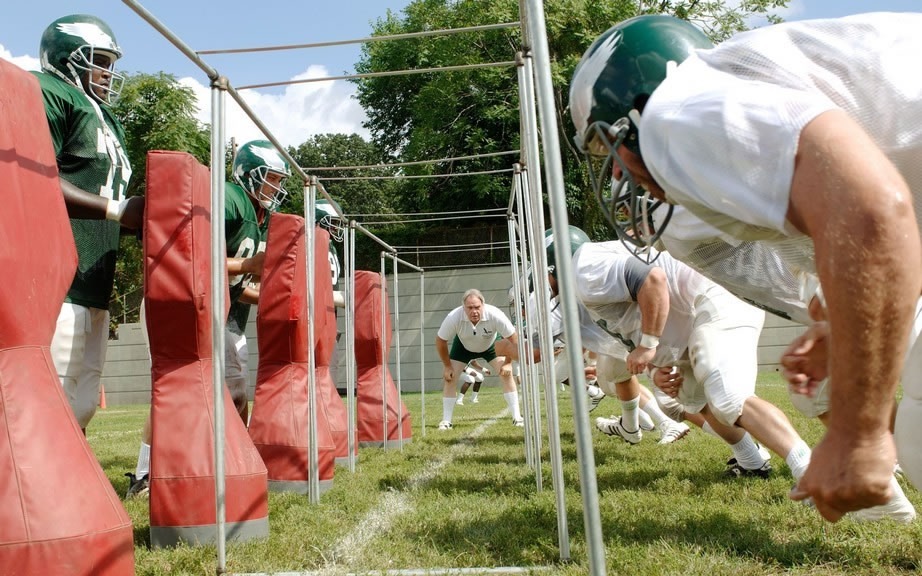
(908, 427)
(78, 350)
(722, 351)
(610, 371)
(815, 406)
(236, 357)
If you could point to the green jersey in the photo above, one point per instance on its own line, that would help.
(245, 236)
(89, 145)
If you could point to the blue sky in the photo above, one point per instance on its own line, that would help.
(293, 113)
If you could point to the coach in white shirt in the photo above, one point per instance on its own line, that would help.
(472, 328)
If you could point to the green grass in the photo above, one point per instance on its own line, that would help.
(448, 500)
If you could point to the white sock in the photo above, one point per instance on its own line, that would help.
(655, 414)
(448, 408)
(474, 395)
(629, 419)
(460, 395)
(512, 400)
(747, 454)
(798, 459)
(143, 467)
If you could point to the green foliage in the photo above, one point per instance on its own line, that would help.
(466, 498)
(353, 196)
(450, 114)
(158, 113)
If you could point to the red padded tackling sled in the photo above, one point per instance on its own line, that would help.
(177, 276)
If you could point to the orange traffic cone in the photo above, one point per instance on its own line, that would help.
(102, 397)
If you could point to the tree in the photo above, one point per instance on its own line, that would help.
(158, 113)
(354, 196)
(450, 114)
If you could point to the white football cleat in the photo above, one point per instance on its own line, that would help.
(670, 431)
(899, 508)
(613, 427)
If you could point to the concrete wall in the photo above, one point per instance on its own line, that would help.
(126, 375)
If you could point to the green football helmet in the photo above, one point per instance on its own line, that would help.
(577, 239)
(254, 162)
(610, 87)
(327, 216)
(75, 46)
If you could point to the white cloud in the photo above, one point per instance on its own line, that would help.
(24, 62)
(293, 116)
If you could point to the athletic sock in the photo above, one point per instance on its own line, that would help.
(747, 454)
(143, 467)
(798, 459)
(448, 408)
(512, 400)
(474, 395)
(629, 419)
(654, 412)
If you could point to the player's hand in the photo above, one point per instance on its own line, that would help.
(848, 473)
(132, 217)
(805, 362)
(639, 358)
(448, 375)
(591, 373)
(255, 263)
(669, 380)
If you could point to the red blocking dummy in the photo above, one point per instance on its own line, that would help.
(326, 326)
(177, 298)
(372, 364)
(281, 416)
(58, 511)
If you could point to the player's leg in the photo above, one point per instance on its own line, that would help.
(236, 357)
(503, 367)
(615, 380)
(466, 380)
(723, 350)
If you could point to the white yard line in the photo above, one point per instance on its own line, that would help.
(350, 549)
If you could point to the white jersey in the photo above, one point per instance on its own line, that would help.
(594, 338)
(601, 287)
(720, 134)
(770, 274)
(477, 338)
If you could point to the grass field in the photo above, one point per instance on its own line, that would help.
(464, 498)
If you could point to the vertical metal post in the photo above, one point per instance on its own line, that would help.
(218, 266)
(384, 360)
(310, 195)
(351, 368)
(554, 173)
(397, 353)
(422, 348)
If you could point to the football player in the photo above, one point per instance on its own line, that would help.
(666, 314)
(257, 190)
(78, 83)
(472, 329)
(805, 130)
(258, 174)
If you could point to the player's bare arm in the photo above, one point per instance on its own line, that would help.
(252, 265)
(848, 197)
(80, 204)
(653, 299)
